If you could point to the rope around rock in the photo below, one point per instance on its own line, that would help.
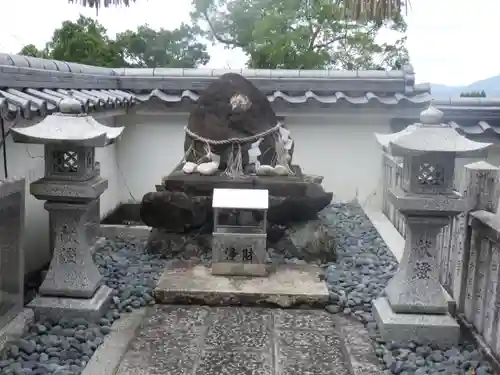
(255, 137)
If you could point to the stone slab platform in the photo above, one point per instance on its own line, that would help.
(204, 185)
(184, 340)
(286, 286)
(441, 330)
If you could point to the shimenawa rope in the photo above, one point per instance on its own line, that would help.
(235, 159)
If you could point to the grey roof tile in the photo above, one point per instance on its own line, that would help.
(33, 87)
(308, 96)
(30, 103)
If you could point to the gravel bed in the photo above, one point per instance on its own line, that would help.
(64, 347)
(363, 268)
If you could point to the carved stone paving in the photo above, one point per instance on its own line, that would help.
(430, 175)
(234, 341)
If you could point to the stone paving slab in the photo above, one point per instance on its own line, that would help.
(199, 340)
(286, 286)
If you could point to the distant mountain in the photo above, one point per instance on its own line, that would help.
(490, 85)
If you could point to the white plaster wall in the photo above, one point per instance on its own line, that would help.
(343, 150)
(107, 157)
(28, 161)
(150, 148)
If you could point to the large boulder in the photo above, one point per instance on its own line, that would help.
(231, 107)
(286, 210)
(313, 242)
(175, 211)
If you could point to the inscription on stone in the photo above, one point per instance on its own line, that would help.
(244, 254)
(423, 247)
(247, 254)
(231, 253)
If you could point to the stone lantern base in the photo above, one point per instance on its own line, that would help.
(73, 286)
(57, 307)
(437, 329)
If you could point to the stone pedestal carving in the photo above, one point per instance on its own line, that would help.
(415, 306)
(72, 271)
(71, 188)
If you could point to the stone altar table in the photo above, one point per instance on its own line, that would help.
(71, 186)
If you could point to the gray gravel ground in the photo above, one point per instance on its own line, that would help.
(362, 271)
(64, 347)
(363, 268)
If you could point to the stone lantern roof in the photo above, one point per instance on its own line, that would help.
(69, 127)
(429, 136)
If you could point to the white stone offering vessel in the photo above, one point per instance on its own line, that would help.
(71, 186)
(416, 306)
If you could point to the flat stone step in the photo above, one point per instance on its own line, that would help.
(285, 286)
(199, 340)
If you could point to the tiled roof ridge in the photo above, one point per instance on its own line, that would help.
(118, 78)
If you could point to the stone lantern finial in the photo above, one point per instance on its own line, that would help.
(70, 106)
(431, 116)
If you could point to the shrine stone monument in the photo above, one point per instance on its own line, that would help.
(71, 185)
(415, 307)
(233, 140)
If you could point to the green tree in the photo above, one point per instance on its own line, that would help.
(148, 48)
(86, 41)
(33, 51)
(473, 94)
(291, 34)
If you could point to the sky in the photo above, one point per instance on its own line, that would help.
(449, 43)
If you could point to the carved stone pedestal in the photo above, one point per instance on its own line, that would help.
(73, 284)
(72, 272)
(416, 306)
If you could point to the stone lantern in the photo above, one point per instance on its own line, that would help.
(415, 305)
(70, 187)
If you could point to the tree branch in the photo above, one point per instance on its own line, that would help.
(314, 35)
(330, 42)
(218, 37)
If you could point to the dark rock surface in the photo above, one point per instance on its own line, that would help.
(287, 210)
(181, 211)
(175, 211)
(231, 107)
(312, 241)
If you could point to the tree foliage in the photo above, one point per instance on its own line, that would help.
(148, 48)
(473, 94)
(300, 34)
(359, 10)
(86, 41)
(33, 51)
